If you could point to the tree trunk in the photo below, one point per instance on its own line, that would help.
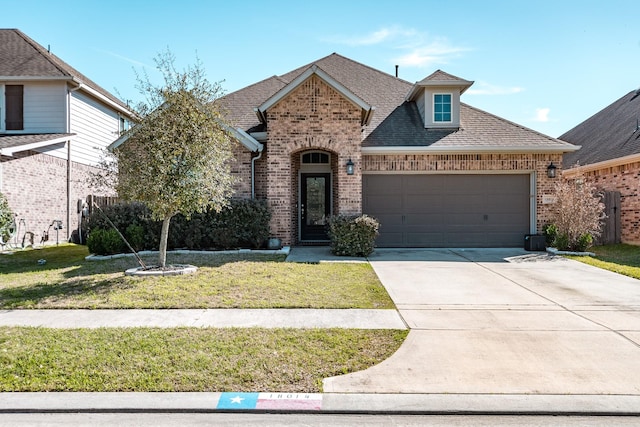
(164, 235)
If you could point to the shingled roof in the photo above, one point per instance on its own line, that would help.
(609, 134)
(21, 57)
(381, 90)
(397, 121)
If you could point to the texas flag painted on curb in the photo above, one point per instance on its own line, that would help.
(284, 401)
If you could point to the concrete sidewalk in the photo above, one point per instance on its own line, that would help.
(214, 318)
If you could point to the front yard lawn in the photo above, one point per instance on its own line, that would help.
(67, 280)
(621, 258)
(186, 359)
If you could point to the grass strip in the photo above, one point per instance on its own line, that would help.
(67, 280)
(621, 258)
(185, 359)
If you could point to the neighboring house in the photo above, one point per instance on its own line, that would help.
(54, 124)
(338, 137)
(610, 157)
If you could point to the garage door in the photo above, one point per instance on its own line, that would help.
(448, 210)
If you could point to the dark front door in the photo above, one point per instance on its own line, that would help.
(315, 206)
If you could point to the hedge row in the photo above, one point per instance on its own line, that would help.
(242, 224)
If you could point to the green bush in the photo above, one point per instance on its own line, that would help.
(550, 233)
(353, 235)
(584, 242)
(105, 242)
(6, 219)
(242, 224)
(135, 236)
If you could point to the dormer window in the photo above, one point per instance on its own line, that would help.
(442, 108)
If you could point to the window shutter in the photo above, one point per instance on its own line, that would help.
(14, 98)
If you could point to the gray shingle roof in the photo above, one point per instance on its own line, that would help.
(384, 91)
(20, 56)
(395, 121)
(404, 127)
(609, 134)
(11, 143)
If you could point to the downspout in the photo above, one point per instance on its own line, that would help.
(69, 159)
(253, 173)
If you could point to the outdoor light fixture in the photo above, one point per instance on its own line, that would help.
(350, 167)
(551, 170)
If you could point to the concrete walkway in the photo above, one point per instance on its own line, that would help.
(215, 318)
(505, 322)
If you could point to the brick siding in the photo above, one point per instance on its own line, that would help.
(35, 185)
(626, 180)
(312, 117)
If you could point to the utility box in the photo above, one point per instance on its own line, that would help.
(535, 242)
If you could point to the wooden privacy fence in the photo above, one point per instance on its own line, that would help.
(101, 201)
(611, 231)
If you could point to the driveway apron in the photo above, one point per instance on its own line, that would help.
(505, 321)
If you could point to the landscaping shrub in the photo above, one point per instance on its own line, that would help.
(353, 235)
(105, 242)
(6, 218)
(242, 224)
(576, 217)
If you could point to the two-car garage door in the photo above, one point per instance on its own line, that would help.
(449, 210)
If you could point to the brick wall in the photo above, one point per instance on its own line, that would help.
(626, 180)
(241, 170)
(475, 163)
(312, 117)
(35, 185)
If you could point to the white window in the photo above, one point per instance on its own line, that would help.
(442, 108)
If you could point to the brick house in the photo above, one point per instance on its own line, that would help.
(53, 123)
(610, 157)
(339, 137)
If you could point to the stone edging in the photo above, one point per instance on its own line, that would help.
(284, 251)
(554, 251)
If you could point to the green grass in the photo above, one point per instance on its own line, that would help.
(621, 258)
(185, 359)
(67, 280)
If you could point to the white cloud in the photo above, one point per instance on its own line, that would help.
(484, 88)
(542, 115)
(382, 35)
(420, 50)
(124, 58)
(439, 51)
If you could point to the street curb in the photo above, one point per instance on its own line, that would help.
(337, 403)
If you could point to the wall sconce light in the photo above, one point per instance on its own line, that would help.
(551, 170)
(350, 167)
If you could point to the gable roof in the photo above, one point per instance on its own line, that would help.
(21, 58)
(439, 78)
(380, 90)
(609, 134)
(397, 124)
(367, 110)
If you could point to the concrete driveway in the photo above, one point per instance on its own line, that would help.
(505, 321)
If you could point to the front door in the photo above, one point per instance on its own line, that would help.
(315, 206)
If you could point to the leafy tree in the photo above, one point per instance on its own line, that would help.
(177, 157)
(6, 218)
(577, 214)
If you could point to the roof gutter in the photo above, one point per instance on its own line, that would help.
(620, 161)
(470, 149)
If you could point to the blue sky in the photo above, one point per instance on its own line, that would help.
(547, 65)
